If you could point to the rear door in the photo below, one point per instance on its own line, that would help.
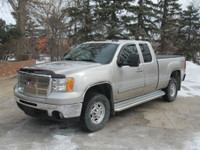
(150, 68)
(129, 80)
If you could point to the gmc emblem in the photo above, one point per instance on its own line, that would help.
(30, 84)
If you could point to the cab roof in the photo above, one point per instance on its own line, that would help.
(118, 41)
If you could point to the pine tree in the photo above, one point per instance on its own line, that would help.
(81, 21)
(8, 36)
(189, 34)
(142, 22)
(2, 37)
(107, 18)
(129, 20)
(170, 12)
(2, 31)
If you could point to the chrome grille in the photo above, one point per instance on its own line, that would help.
(34, 84)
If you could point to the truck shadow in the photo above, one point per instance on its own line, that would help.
(70, 123)
(135, 116)
(142, 107)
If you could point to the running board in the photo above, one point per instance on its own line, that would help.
(125, 104)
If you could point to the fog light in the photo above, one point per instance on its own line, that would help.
(57, 115)
(60, 115)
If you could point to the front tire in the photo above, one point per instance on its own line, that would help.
(171, 90)
(95, 112)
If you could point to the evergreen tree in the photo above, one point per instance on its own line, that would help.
(170, 12)
(129, 19)
(2, 31)
(81, 21)
(141, 22)
(107, 19)
(8, 36)
(189, 34)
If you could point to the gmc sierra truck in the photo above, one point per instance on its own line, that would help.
(97, 79)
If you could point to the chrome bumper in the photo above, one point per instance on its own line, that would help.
(68, 111)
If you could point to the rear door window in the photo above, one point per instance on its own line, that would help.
(146, 53)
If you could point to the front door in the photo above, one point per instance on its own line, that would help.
(129, 80)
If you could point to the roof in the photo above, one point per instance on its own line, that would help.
(118, 41)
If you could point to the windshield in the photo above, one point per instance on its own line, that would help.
(94, 52)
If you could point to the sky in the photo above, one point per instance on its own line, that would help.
(5, 10)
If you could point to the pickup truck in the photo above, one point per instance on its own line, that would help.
(97, 79)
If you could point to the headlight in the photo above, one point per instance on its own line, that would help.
(20, 83)
(62, 85)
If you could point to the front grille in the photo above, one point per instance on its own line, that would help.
(34, 84)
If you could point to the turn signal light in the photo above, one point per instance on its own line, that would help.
(69, 84)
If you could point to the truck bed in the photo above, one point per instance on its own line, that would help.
(167, 56)
(166, 64)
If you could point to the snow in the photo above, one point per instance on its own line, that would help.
(40, 61)
(11, 59)
(35, 136)
(193, 144)
(190, 87)
(91, 134)
(61, 142)
(44, 60)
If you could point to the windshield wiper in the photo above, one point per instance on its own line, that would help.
(69, 59)
(90, 60)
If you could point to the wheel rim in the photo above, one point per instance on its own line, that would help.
(97, 113)
(173, 90)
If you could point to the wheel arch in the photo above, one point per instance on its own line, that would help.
(176, 74)
(104, 88)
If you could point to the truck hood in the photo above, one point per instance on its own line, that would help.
(64, 67)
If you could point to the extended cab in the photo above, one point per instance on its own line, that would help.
(97, 79)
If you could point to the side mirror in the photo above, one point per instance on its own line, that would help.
(133, 60)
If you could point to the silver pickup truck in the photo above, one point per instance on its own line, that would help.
(97, 79)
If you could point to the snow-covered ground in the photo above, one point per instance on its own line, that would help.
(43, 137)
(193, 144)
(44, 60)
(191, 85)
(190, 88)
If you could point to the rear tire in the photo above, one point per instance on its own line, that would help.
(171, 90)
(95, 112)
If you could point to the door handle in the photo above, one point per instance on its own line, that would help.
(139, 70)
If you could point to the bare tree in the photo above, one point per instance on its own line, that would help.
(52, 20)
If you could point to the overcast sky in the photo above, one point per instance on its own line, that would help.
(5, 10)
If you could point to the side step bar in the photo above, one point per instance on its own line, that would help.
(125, 104)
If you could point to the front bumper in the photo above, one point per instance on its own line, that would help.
(49, 110)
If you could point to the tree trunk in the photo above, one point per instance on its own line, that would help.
(20, 10)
